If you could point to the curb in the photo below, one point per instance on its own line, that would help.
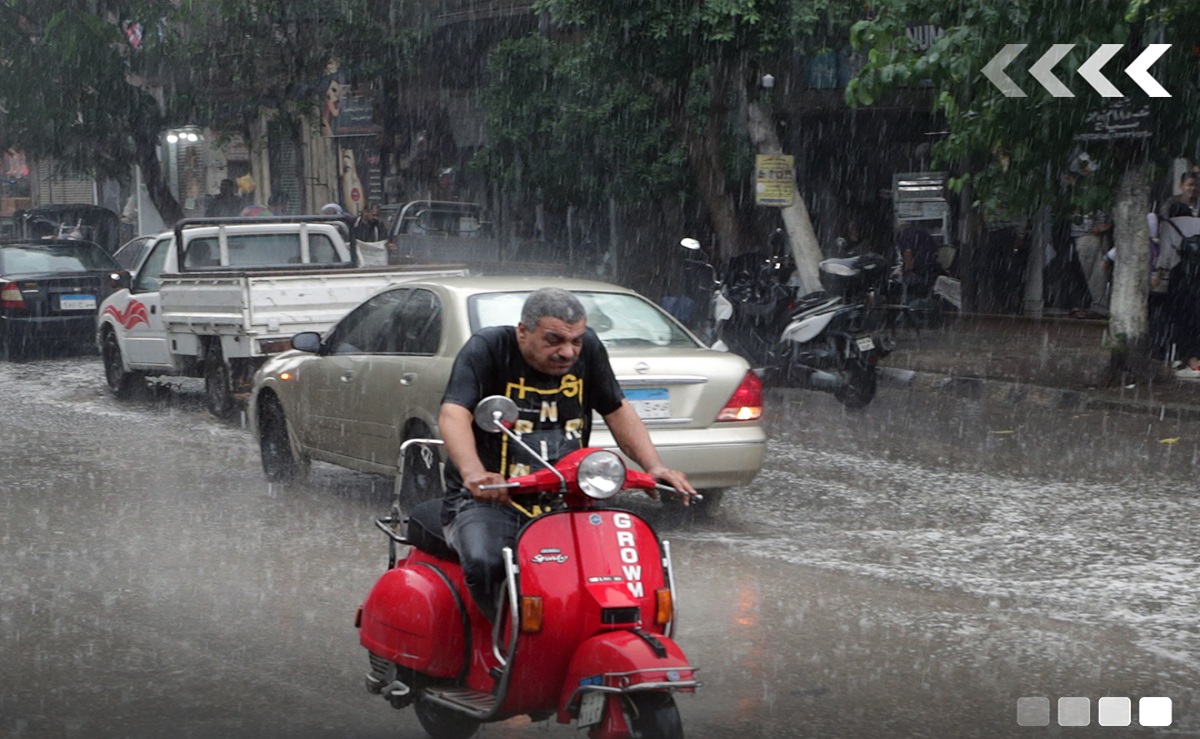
(1125, 400)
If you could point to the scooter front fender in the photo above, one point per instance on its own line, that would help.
(624, 661)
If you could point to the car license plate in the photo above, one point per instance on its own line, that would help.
(591, 708)
(650, 402)
(865, 344)
(77, 302)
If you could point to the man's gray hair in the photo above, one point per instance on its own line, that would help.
(551, 302)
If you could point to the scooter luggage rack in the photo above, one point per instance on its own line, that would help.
(390, 524)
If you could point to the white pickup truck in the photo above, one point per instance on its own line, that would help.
(216, 297)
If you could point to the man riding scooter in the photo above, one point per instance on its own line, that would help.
(557, 371)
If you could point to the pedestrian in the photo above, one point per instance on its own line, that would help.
(1189, 195)
(1091, 236)
(918, 252)
(1179, 267)
(367, 226)
(558, 373)
(332, 209)
(226, 203)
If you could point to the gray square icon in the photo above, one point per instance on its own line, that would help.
(1033, 711)
(1074, 711)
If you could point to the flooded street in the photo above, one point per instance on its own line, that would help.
(908, 571)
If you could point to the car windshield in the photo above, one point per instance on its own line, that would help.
(619, 319)
(20, 260)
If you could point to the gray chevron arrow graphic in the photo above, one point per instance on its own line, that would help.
(1139, 74)
(994, 70)
(1040, 71)
(1090, 70)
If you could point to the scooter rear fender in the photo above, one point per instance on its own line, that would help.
(414, 617)
(624, 661)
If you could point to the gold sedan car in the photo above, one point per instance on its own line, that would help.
(352, 396)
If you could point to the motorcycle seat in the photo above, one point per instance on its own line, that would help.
(424, 530)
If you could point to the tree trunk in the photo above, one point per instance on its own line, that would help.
(704, 156)
(1127, 331)
(806, 249)
(146, 151)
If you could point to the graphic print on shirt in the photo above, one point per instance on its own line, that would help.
(550, 421)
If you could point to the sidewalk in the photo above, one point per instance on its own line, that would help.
(1054, 361)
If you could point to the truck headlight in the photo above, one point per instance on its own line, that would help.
(601, 474)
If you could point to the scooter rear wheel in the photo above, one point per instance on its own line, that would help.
(443, 723)
(654, 716)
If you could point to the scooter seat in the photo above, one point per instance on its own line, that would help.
(425, 530)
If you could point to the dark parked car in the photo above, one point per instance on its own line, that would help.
(49, 293)
(80, 220)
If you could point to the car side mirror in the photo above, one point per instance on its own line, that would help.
(120, 280)
(307, 341)
(493, 409)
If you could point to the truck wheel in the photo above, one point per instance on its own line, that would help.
(280, 463)
(120, 382)
(218, 397)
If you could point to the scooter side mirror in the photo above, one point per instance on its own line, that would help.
(495, 408)
(690, 244)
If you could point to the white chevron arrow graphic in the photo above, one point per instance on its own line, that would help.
(1040, 71)
(1138, 71)
(994, 70)
(1090, 70)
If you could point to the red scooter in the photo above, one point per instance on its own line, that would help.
(585, 634)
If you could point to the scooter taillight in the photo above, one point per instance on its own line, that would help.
(746, 403)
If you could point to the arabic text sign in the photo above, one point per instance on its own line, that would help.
(775, 179)
(1119, 120)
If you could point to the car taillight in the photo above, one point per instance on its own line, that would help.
(10, 296)
(746, 402)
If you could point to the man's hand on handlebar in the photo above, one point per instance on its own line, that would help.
(675, 479)
(493, 494)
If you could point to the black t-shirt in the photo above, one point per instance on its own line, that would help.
(555, 411)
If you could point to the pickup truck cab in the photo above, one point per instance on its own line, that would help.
(214, 298)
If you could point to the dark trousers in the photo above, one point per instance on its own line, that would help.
(478, 532)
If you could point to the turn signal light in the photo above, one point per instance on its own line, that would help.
(746, 403)
(10, 296)
(665, 609)
(531, 614)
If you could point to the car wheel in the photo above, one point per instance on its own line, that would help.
(120, 382)
(279, 461)
(218, 397)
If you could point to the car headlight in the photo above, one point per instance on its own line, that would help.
(601, 474)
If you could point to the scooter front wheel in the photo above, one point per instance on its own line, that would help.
(443, 723)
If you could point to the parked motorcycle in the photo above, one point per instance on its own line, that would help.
(836, 337)
(585, 632)
(698, 301)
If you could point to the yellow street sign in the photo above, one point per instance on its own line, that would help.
(775, 176)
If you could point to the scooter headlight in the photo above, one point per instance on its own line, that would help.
(601, 474)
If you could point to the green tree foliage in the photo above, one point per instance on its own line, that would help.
(578, 136)
(76, 89)
(628, 92)
(1016, 149)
